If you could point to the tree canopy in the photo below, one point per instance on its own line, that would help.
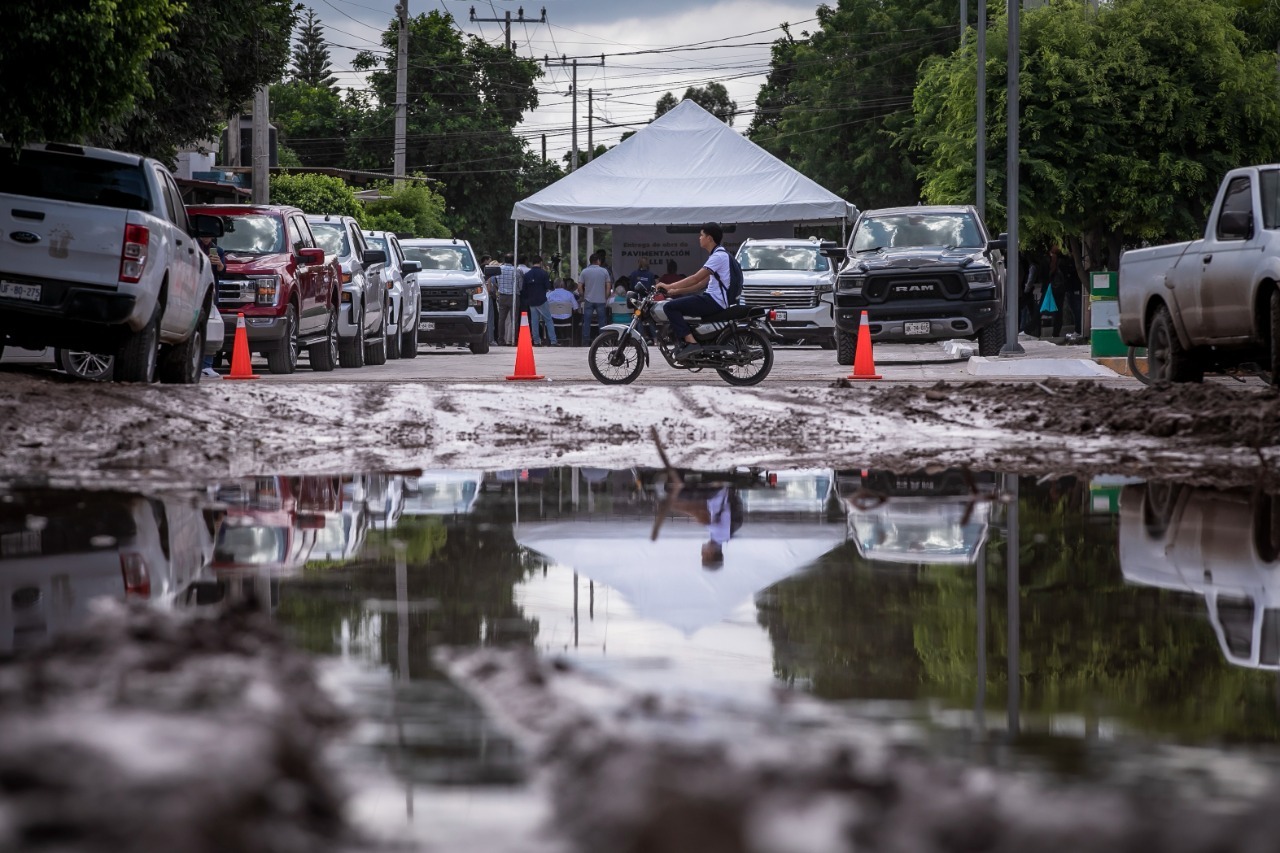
(318, 194)
(714, 98)
(66, 70)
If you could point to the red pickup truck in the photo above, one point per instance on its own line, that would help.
(283, 283)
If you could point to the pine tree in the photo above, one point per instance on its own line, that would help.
(311, 56)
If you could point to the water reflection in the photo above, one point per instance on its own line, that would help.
(1035, 619)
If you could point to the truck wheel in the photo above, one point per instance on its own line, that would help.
(479, 348)
(351, 352)
(991, 339)
(181, 364)
(393, 345)
(409, 337)
(324, 355)
(375, 351)
(85, 365)
(136, 357)
(1266, 526)
(285, 359)
(1273, 363)
(846, 342)
(1167, 360)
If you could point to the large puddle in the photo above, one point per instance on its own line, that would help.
(1138, 623)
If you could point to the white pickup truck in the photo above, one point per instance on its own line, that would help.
(1212, 303)
(97, 253)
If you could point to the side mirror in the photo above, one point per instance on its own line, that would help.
(1000, 244)
(205, 225)
(493, 271)
(410, 267)
(374, 256)
(836, 254)
(1235, 225)
(311, 256)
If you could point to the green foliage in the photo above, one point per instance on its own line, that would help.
(314, 121)
(465, 99)
(1131, 114)
(834, 104)
(66, 68)
(316, 194)
(217, 57)
(413, 207)
(311, 56)
(714, 98)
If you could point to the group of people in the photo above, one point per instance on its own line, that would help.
(1050, 290)
(584, 306)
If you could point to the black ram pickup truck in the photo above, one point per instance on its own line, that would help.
(921, 274)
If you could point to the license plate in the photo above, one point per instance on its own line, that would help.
(779, 315)
(429, 326)
(915, 328)
(15, 290)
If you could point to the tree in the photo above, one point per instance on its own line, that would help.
(465, 99)
(313, 193)
(412, 207)
(838, 101)
(314, 121)
(1131, 114)
(311, 56)
(714, 98)
(66, 69)
(218, 56)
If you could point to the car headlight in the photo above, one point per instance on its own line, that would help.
(980, 277)
(850, 283)
(268, 289)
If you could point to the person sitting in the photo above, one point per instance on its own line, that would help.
(563, 306)
(618, 304)
(702, 294)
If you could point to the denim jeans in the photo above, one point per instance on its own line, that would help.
(601, 312)
(540, 316)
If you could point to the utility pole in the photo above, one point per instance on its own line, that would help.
(402, 92)
(261, 147)
(981, 172)
(565, 62)
(506, 20)
(1012, 163)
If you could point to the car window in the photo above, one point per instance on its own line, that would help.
(1269, 184)
(804, 258)
(1238, 200)
(441, 257)
(296, 240)
(331, 237)
(357, 240)
(917, 229)
(252, 234)
(179, 215)
(74, 177)
(167, 197)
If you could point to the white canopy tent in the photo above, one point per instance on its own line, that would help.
(664, 580)
(685, 168)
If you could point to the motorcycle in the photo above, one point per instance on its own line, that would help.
(735, 343)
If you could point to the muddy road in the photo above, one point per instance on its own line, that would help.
(64, 432)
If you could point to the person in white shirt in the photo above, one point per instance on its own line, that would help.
(704, 293)
(563, 305)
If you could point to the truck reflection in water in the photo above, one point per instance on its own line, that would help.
(271, 522)
(59, 550)
(918, 518)
(1221, 545)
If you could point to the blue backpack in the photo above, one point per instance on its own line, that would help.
(734, 291)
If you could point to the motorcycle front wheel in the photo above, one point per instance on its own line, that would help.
(758, 361)
(613, 361)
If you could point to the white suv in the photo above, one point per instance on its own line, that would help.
(455, 306)
(790, 277)
(400, 278)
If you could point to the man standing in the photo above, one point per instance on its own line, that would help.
(596, 286)
(509, 282)
(642, 275)
(534, 295)
(704, 293)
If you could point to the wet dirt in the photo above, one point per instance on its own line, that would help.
(81, 434)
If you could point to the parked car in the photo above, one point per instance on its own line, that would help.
(795, 281)
(921, 273)
(400, 277)
(270, 523)
(97, 367)
(1212, 303)
(99, 255)
(280, 279)
(455, 305)
(362, 325)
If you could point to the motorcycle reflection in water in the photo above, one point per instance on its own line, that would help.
(735, 343)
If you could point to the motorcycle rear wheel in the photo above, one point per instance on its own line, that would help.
(761, 357)
(605, 351)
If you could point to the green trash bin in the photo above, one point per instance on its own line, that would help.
(1104, 316)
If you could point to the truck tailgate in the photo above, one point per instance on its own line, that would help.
(60, 241)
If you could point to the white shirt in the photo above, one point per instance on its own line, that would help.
(718, 263)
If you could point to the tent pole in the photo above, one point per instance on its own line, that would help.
(573, 251)
(515, 301)
(591, 243)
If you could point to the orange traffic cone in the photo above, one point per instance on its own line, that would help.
(864, 367)
(240, 368)
(524, 353)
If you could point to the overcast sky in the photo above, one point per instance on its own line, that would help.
(728, 43)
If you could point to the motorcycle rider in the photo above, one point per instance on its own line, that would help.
(704, 293)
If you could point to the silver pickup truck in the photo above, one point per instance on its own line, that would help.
(1212, 303)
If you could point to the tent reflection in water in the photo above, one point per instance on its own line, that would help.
(664, 580)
